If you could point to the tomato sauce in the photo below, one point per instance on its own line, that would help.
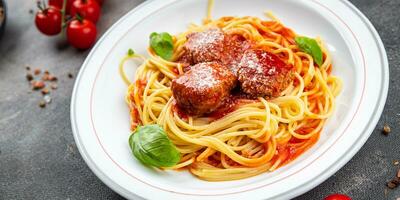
(135, 118)
(294, 148)
(140, 85)
(181, 114)
(229, 105)
(175, 70)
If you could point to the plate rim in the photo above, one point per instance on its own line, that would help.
(295, 191)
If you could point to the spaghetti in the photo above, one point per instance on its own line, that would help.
(257, 135)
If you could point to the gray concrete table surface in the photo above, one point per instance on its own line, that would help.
(38, 156)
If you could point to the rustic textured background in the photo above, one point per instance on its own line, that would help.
(38, 156)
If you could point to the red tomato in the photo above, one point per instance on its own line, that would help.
(100, 2)
(48, 21)
(59, 4)
(56, 3)
(337, 197)
(88, 9)
(81, 33)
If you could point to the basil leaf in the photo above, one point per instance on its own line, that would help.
(311, 47)
(162, 44)
(151, 146)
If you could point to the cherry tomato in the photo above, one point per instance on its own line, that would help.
(59, 4)
(88, 9)
(48, 21)
(337, 197)
(56, 3)
(81, 33)
(100, 2)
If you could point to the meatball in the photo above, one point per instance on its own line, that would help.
(204, 46)
(235, 46)
(203, 88)
(213, 45)
(263, 74)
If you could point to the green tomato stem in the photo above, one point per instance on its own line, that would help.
(79, 17)
(63, 23)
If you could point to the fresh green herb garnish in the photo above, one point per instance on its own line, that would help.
(152, 147)
(162, 44)
(311, 47)
(131, 52)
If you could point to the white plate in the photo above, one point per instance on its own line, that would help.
(100, 117)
